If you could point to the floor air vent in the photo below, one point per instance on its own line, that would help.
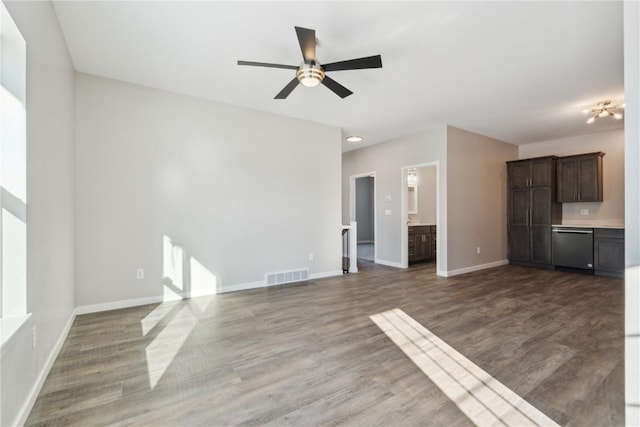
(287, 276)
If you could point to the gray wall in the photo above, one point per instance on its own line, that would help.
(477, 185)
(243, 192)
(50, 216)
(386, 160)
(364, 209)
(611, 209)
(472, 186)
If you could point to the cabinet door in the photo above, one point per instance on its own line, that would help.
(540, 206)
(519, 207)
(519, 243)
(541, 172)
(608, 251)
(589, 177)
(518, 230)
(519, 174)
(541, 244)
(567, 188)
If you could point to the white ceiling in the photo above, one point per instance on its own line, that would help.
(516, 71)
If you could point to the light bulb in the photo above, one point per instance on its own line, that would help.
(585, 111)
(603, 113)
(617, 116)
(591, 119)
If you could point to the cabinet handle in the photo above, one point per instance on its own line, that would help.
(579, 196)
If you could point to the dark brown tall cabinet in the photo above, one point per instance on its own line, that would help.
(531, 209)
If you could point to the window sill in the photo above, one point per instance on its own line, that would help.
(9, 327)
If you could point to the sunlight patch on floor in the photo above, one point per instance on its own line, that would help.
(482, 398)
(165, 346)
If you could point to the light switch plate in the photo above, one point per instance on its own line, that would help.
(387, 212)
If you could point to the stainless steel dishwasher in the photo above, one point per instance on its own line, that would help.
(573, 247)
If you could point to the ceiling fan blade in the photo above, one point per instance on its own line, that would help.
(336, 87)
(287, 89)
(355, 64)
(266, 64)
(307, 40)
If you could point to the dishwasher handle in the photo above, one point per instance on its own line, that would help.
(572, 231)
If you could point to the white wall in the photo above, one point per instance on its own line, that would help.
(50, 216)
(243, 192)
(611, 209)
(477, 199)
(386, 160)
(632, 210)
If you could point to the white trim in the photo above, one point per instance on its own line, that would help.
(9, 327)
(390, 263)
(22, 416)
(325, 274)
(263, 284)
(366, 242)
(243, 286)
(95, 308)
(459, 271)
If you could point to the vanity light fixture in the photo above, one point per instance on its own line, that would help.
(412, 177)
(354, 138)
(604, 109)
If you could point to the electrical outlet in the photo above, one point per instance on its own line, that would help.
(584, 211)
(140, 273)
(310, 256)
(478, 250)
(34, 336)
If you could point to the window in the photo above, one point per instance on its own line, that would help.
(13, 171)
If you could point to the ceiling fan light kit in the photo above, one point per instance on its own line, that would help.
(311, 73)
(604, 109)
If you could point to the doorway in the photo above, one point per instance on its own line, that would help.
(364, 215)
(420, 214)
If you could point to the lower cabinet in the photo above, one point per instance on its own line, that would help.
(422, 243)
(608, 252)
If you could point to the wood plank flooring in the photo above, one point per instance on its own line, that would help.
(308, 354)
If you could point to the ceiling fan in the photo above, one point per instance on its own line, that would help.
(311, 73)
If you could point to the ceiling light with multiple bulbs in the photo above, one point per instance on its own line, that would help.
(604, 109)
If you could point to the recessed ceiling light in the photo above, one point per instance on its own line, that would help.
(354, 138)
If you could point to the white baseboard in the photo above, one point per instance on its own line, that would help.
(325, 274)
(263, 284)
(459, 271)
(242, 286)
(366, 242)
(94, 308)
(390, 263)
(44, 372)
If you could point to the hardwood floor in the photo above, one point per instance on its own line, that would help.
(308, 354)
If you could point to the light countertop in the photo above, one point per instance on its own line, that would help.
(614, 226)
(414, 224)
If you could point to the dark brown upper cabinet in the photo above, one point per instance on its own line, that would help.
(579, 178)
